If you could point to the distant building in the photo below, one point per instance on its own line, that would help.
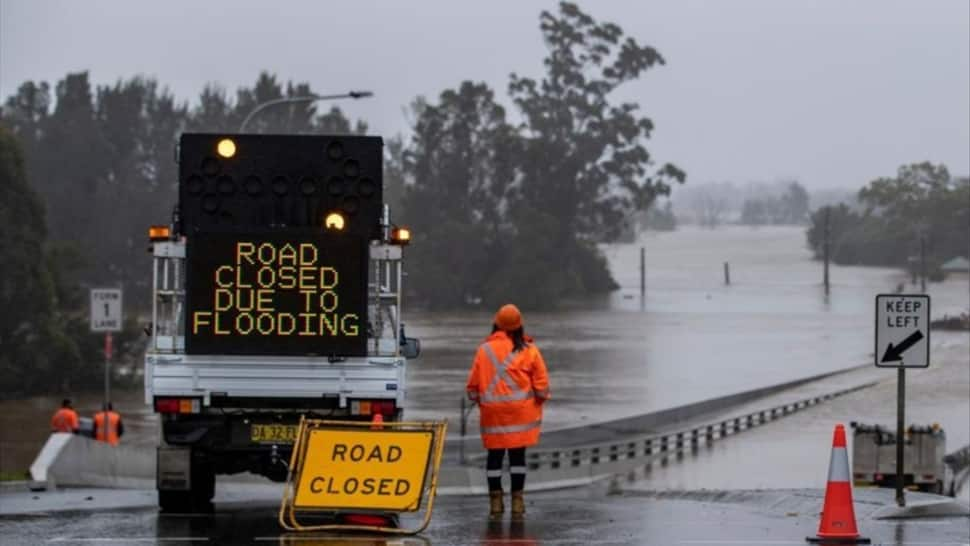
(957, 266)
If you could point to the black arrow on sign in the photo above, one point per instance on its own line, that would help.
(896, 353)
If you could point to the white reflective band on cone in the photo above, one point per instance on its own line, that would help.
(517, 470)
(839, 465)
(493, 473)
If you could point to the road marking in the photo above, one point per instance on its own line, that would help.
(742, 542)
(130, 539)
(335, 539)
(801, 542)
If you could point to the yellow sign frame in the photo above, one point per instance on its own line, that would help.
(289, 511)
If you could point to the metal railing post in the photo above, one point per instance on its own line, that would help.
(461, 444)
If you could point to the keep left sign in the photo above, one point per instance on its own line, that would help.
(902, 331)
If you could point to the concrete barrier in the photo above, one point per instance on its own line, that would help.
(69, 460)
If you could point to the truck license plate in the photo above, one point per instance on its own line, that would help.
(281, 434)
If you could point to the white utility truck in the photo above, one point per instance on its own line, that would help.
(276, 295)
(874, 456)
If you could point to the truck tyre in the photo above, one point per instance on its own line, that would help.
(197, 500)
(177, 502)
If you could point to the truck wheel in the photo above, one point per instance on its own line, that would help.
(197, 500)
(203, 488)
(179, 502)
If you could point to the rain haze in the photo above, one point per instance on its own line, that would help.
(674, 259)
(832, 94)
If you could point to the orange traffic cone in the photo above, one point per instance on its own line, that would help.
(377, 422)
(838, 515)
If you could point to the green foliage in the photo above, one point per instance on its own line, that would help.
(506, 213)
(26, 286)
(461, 161)
(584, 161)
(660, 219)
(497, 210)
(923, 200)
(42, 338)
(790, 208)
(99, 161)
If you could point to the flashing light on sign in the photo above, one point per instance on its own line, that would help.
(334, 221)
(226, 148)
(401, 236)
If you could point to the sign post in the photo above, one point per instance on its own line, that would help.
(901, 320)
(106, 317)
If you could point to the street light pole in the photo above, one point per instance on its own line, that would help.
(309, 98)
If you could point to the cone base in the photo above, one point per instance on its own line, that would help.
(839, 540)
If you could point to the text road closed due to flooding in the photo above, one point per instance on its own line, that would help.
(383, 470)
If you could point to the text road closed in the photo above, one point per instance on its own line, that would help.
(382, 470)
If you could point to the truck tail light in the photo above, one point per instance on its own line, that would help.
(177, 405)
(372, 407)
(928, 476)
(383, 407)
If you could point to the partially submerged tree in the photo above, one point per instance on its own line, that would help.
(459, 164)
(584, 164)
(921, 201)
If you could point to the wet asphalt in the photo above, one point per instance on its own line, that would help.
(597, 516)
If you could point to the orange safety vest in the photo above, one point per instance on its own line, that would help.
(110, 433)
(509, 388)
(65, 420)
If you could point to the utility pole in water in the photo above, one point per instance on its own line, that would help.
(825, 249)
(922, 263)
(643, 272)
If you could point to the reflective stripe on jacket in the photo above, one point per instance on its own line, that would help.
(112, 434)
(65, 420)
(510, 388)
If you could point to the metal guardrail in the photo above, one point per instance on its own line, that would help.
(670, 443)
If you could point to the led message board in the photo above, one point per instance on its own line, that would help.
(276, 294)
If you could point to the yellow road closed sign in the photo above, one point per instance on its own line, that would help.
(370, 469)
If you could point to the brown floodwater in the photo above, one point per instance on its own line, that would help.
(691, 338)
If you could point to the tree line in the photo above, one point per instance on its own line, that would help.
(501, 210)
(891, 216)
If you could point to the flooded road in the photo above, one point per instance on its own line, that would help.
(692, 338)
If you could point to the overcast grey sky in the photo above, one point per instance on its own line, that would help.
(833, 93)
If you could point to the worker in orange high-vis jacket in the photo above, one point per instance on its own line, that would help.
(108, 426)
(509, 382)
(65, 420)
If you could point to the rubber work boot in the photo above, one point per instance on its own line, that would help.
(518, 505)
(495, 505)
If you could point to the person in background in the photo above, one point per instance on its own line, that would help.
(65, 419)
(509, 382)
(108, 426)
